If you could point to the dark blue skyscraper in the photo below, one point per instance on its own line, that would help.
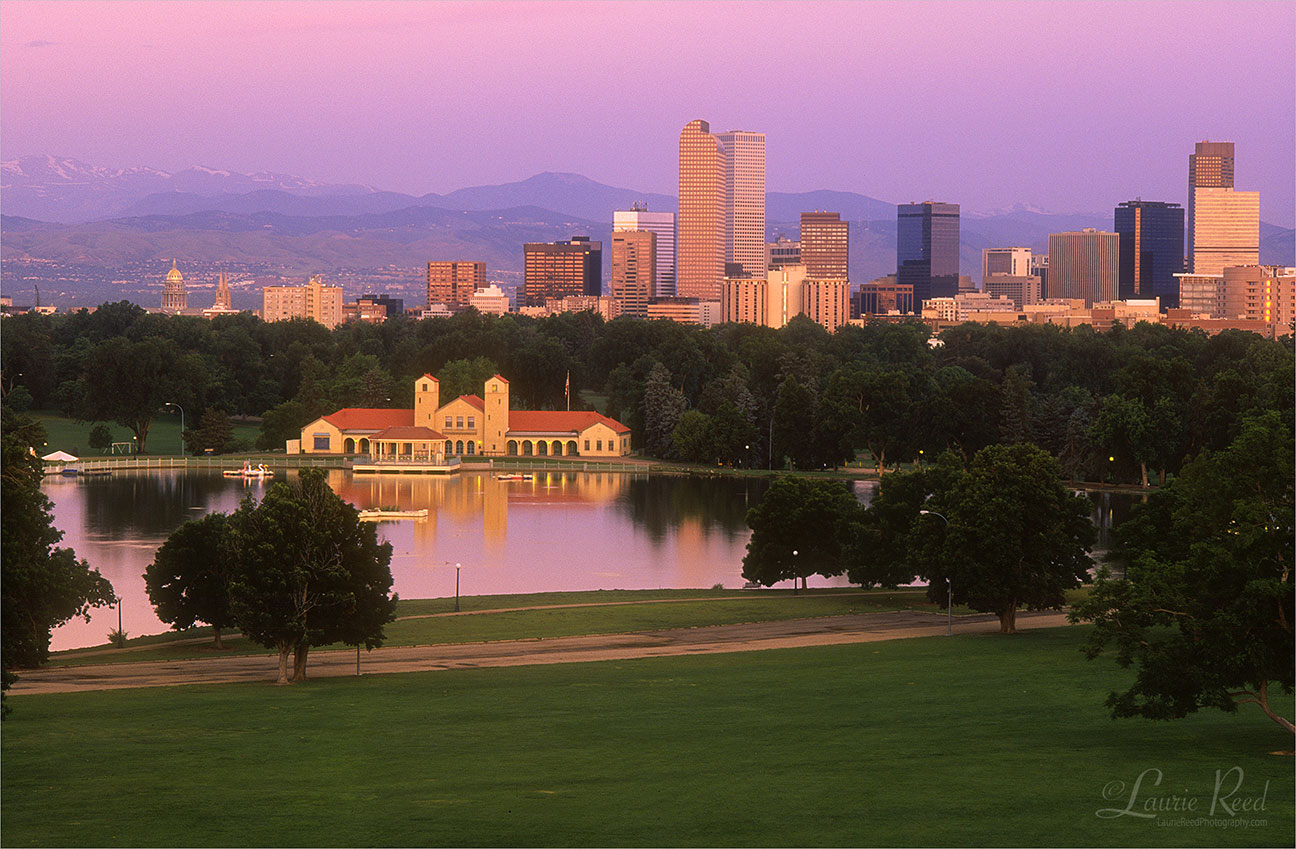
(927, 250)
(1151, 250)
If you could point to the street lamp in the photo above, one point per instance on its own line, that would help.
(181, 409)
(949, 582)
(794, 572)
(456, 588)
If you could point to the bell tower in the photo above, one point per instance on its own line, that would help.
(497, 414)
(427, 392)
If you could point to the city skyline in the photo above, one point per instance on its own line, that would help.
(130, 73)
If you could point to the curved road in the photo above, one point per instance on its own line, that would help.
(715, 639)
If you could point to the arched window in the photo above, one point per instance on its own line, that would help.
(542, 448)
(348, 447)
(472, 447)
(459, 447)
(527, 449)
(512, 447)
(364, 446)
(449, 447)
(557, 448)
(571, 448)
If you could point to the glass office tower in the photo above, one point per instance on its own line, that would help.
(1151, 250)
(927, 250)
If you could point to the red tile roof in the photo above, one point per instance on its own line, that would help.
(430, 377)
(559, 421)
(413, 433)
(475, 400)
(497, 377)
(361, 418)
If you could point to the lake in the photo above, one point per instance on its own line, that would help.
(578, 530)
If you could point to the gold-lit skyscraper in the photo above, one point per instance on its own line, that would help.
(634, 263)
(702, 213)
(744, 156)
(1210, 166)
(1226, 229)
(453, 283)
(825, 246)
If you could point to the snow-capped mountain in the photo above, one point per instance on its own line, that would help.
(66, 190)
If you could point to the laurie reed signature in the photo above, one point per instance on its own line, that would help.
(1145, 800)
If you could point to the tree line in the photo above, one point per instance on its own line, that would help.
(1122, 406)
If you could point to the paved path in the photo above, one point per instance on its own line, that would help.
(716, 639)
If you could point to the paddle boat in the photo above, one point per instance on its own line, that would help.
(258, 472)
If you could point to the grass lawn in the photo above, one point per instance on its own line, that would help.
(666, 609)
(971, 740)
(64, 434)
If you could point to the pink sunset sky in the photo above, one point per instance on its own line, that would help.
(1066, 106)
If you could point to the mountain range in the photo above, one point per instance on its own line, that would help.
(60, 210)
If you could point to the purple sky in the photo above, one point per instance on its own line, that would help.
(1066, 106)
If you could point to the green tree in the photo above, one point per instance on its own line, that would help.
(799, 528)
(1014, 536)
(694, 438)
(1205, 611)
(663, 405)
(214, 431)
(101, 438)
(128, 382)
(188, 580)
(794, 416)
(308, 573)
(465, 377)
(1016, 417)
(41, 586)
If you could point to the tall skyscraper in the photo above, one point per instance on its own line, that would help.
(826, 302)
(634, 263)
(662, 224)
(927, 249)
(744, 156)
(1013, 261)
(1210, 166)
(174, 298)
(314, 300)
(562, 269)
(1151, 250)
(453, 283)
(1226, 229)
(825, 246)
(721, 209)
(700, 268)
(1084, 264)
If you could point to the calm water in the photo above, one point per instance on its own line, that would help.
(562, 531)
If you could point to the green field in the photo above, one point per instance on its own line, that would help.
(971, 740)
(597, 612)
(64, 434)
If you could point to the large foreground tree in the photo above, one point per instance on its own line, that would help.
(309, 572)
(41, 586)
(1205, 611)
(799, 529)
(188, 580)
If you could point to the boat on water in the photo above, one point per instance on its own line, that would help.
(379, 515)
(259, 471)
(514, 477)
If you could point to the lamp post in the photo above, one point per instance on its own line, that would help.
(457, 588)
(794, 572)
(949, 582)
(181, 409)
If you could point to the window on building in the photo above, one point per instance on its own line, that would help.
(459, 421)
(599, 445)
(449, 423)
(321, 441)
(472, 423)
(587, 445)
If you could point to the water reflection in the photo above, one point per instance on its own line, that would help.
(576, 530)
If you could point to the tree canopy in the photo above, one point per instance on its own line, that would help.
(188, 580)
(308, 573)
(41, 585)
(799, 529)
(1204, 611)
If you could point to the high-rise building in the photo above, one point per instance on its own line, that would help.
(662, 224)
(1226, 229)
(744, 301)
(174, 299)
(1151, 250)
(744, 157)
(453, 282)
(1201, 294)
(1210, 165)
(927, 249)
(826, 302)
(1014, 261)
(1021, 289)
(784, 291)
(882, 296)
(560, 269)
(782, 251)
(825, 246)
(634, 265)
(1261, 293)
(700, 249)
(314, 300)
(1084, 264)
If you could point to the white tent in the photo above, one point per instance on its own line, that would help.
(60, 457)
